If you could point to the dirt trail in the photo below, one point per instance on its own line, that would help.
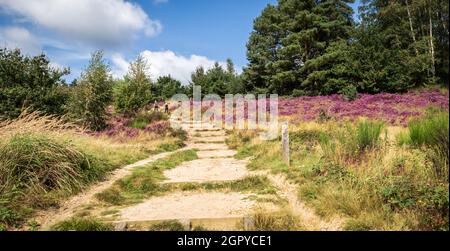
(215, 163)
(308, 218)
(67, 209)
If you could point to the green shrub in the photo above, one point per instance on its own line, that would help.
(349, 93)
(82, 224)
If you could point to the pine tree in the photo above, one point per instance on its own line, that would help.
(287, 47)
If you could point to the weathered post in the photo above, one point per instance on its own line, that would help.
(285, 142)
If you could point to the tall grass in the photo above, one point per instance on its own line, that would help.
(350, 141)
(432, 132)
(368, 134)
(43, 160)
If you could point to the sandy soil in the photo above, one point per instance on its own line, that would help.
(205, 170)
(209, 146)
(216, 154)
(189, 206)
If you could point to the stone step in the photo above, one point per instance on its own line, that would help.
(217, 224)
(207, 170)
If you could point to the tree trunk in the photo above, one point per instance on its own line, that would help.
(433, 67)
(412, 28)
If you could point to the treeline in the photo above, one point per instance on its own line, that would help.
(310, 47)
(30, 82)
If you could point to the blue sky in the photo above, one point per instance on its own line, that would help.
(175, 36)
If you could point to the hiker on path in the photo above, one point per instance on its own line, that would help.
(156, 107)
(166, 107)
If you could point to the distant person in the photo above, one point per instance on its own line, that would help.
(166, 107)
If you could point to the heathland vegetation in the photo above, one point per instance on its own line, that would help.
(366, 98)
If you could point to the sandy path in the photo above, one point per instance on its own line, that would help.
(192, 205)
(208, 170)
(215, 163)
(67, 209)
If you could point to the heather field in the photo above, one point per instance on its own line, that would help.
(379, 162)
(393, 109)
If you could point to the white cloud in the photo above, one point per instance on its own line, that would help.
(120, 65)
(105, 23)
(162, 63)
(17, 37)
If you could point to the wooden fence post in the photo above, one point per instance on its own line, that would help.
(285, 142)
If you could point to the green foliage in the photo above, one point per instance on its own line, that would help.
(431, 202)
(288, 48)
(315, 48)
(217, 80)
(433, 133)
(144, 180)
(134, 92)
(92, 94)
(349, 93)
(30, 82)
(82, 224)
(166, 86)
(368, 134)
(32, 167)
(111, 196)
(143, 118)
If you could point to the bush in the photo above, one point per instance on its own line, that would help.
(349, 93)
(43, 160)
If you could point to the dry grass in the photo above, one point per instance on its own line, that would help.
(381, 187)
(43, 159)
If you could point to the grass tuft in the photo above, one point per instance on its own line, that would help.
(82, 224)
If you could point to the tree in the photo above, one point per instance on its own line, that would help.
(166, 86)
(394, 47)
(92, 94)
(135, 91)
(218, 80)
(30, 82)
(287, 49)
